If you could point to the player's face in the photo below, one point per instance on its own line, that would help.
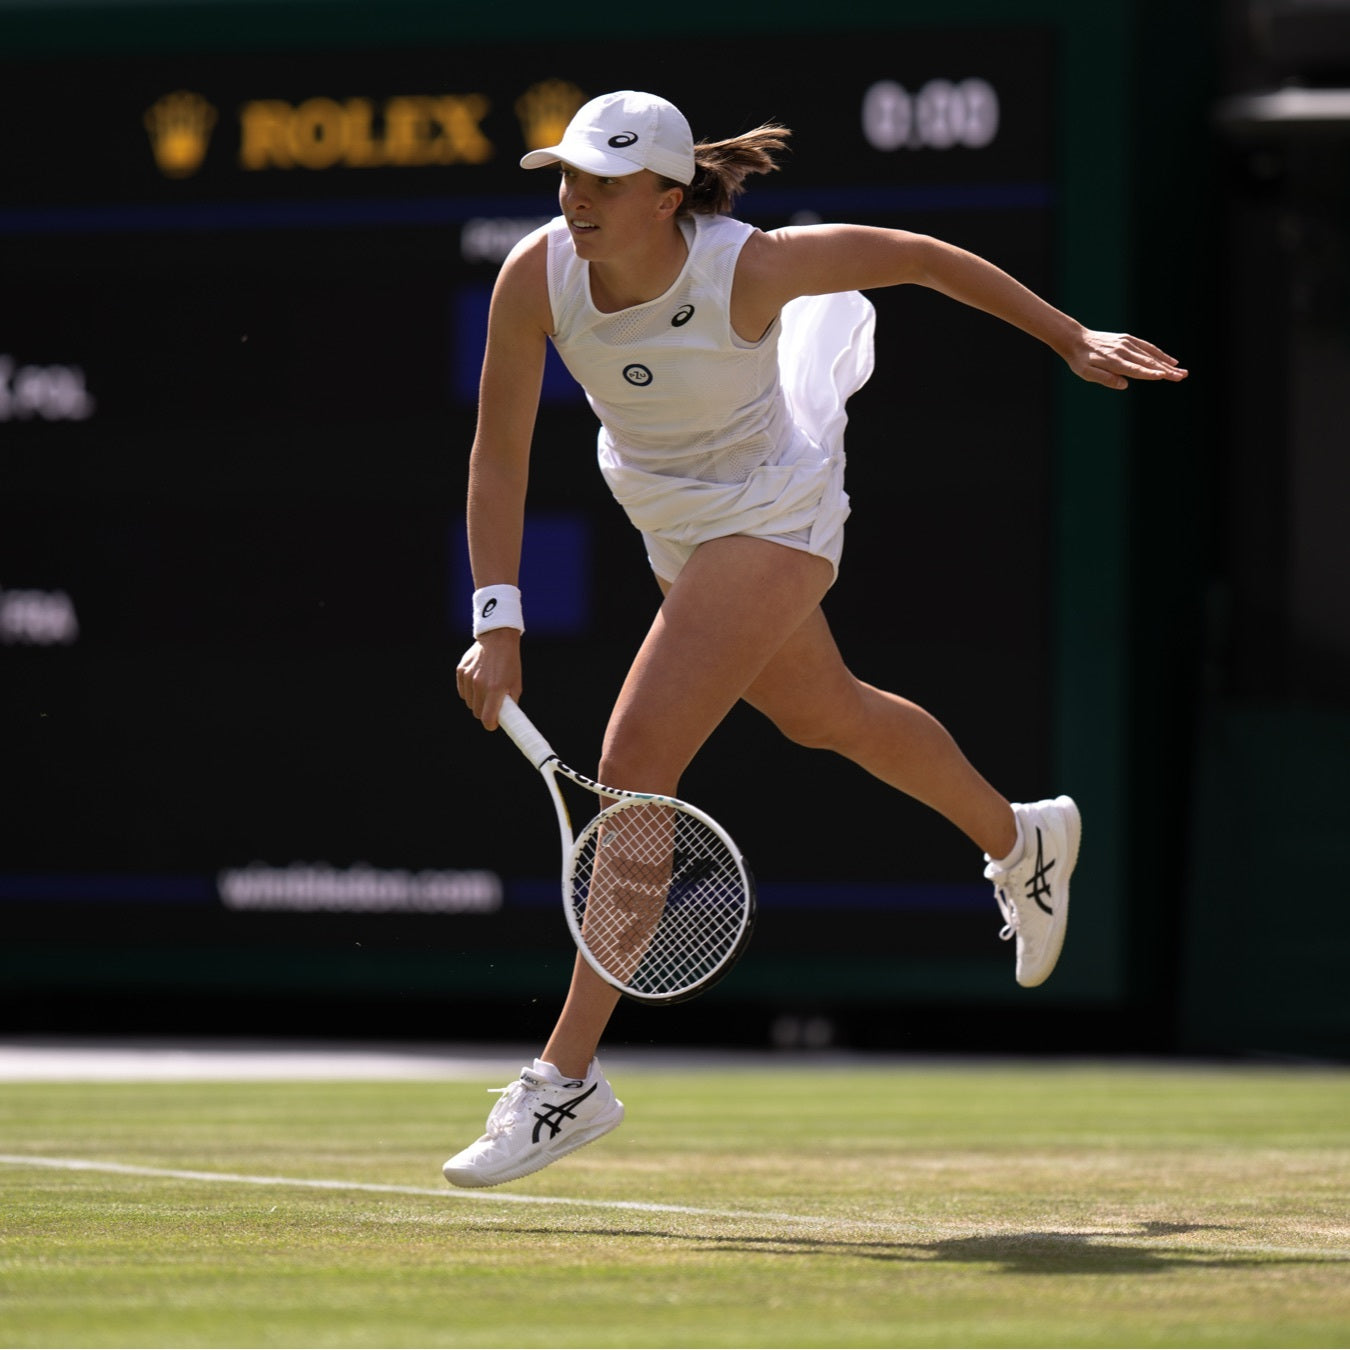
(606, 216)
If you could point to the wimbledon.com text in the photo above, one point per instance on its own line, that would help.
(363, 889)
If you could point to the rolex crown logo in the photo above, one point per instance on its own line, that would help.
(180, 126)
(545, 109)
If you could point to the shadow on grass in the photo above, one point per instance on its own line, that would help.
(1031, 1253)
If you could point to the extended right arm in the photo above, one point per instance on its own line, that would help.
(513, 366)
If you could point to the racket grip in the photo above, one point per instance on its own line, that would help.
(526, 736)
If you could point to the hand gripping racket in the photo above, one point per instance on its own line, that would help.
(657, 896)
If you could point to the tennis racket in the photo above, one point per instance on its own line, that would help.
(657, 896)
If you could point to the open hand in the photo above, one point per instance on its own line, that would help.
(1114, 359)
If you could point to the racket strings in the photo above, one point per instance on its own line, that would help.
(658, 896)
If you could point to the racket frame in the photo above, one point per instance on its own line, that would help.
(531, 743)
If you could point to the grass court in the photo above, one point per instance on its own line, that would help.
(845, 1203)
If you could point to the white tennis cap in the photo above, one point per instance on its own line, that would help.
(618, 134)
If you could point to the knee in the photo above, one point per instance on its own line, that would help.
(815, 728)
(836, 714)
(639, 761)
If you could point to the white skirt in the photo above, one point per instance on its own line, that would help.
(825, 355)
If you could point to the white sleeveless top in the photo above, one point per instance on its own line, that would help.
(702, 433)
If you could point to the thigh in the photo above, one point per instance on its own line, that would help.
(724, 619)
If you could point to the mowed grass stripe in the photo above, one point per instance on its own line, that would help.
(809, 1221)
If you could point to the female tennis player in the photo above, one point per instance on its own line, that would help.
(718, 359)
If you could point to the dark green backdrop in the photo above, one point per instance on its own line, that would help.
(258, 524)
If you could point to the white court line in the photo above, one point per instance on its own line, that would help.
(440, 1192)
(817, 1221)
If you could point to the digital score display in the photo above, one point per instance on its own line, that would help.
(244, 306)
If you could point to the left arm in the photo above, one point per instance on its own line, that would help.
(816, 260)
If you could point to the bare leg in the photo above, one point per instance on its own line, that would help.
(590, 1004)
(732, 609)
(744, 620)
(734, 605)
(811, 696)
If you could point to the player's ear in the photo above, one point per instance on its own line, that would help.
(669, 202)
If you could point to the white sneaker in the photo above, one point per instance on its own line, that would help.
(541, 1117)
(1034, 893)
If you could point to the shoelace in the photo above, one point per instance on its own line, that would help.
(507, 1108)
(1009, 907)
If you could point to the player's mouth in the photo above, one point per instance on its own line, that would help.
(583, 226)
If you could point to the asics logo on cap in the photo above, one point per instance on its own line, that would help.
(620, 133)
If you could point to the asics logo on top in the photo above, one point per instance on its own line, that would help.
(682, 316)
(1037, 889)
(636, 374)
(553, 1116)
(622, 139)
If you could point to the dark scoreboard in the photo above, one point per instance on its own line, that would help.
(243, 307)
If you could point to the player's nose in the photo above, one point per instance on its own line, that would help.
(573, 193)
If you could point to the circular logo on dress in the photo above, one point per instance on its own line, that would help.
(636, 374)
(682, 316)
(622, 139)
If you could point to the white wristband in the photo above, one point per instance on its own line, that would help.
(496, 607)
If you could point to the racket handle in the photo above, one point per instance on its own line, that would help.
(526, 736)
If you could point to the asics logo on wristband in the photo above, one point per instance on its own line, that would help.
(497, 607)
